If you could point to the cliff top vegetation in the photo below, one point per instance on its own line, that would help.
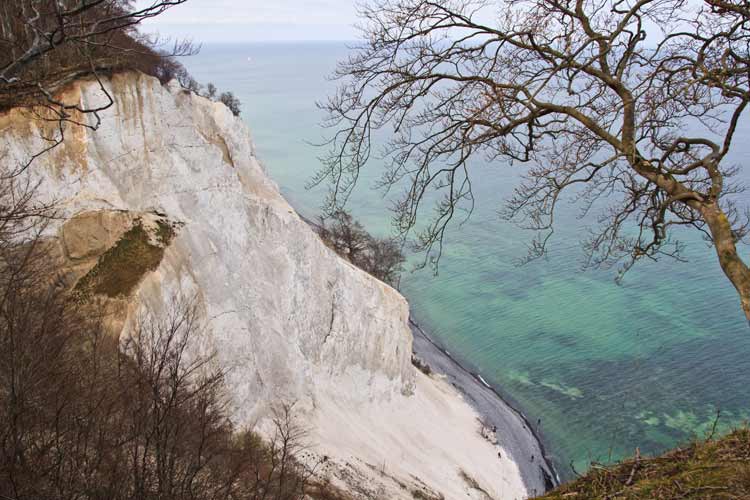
(46, 44)
(710, 469)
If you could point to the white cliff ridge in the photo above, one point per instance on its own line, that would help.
(290, 319)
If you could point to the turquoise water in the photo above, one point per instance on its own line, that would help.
(605, 367)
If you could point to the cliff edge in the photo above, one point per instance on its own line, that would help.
(288, 318)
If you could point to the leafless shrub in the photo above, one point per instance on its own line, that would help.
(381, 257)
(232, 102)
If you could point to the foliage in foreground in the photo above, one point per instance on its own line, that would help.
(83, 415)
(712, 469)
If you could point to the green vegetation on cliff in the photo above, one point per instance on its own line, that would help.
(121, 267)
(711, 469)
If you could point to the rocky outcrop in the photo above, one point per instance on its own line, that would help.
(289, 319)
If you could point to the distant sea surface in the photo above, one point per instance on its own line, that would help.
(606, 367)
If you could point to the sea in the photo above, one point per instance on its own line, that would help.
(602, 368)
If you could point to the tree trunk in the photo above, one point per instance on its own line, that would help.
(735, 269)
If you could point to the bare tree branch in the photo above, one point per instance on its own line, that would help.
(569, 89)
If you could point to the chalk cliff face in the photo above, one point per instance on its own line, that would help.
(288, 318)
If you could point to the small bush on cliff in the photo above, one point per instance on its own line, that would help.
(210, 92)
(231, 102)
(421, 365)
(381, 257)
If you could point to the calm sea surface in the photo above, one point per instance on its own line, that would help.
(605, 367)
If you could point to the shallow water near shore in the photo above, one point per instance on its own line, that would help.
(519, 437)
(605, 367)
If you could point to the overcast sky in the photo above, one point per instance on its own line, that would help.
(257, 20)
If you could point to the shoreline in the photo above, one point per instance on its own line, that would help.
(514, 431)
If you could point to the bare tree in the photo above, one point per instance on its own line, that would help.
(385, 259)
(272, 470)
(633, 105)
(346, 236)
(381, 257)
(32, 29)
(176, 414)
(83, 415)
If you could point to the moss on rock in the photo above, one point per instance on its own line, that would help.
(119, 269)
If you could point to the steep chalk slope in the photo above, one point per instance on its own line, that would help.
(290, 319)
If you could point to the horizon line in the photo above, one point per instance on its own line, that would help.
(273, 41)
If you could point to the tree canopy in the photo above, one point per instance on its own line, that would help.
(631, 105)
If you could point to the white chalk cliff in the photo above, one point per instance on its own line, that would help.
(290, 319)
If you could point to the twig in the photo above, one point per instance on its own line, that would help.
(713, 427)
(636, 465)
